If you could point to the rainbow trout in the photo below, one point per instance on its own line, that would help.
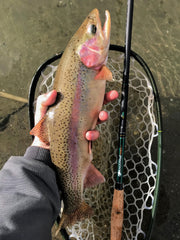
(80, 79)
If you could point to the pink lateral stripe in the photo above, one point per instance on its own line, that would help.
(73, 144)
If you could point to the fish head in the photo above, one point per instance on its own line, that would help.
(94, 40)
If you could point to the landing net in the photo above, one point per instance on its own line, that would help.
(141, 164)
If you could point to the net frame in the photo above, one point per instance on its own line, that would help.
(147, 71)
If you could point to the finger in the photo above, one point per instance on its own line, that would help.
(48, 98)
(92, 135)
(110, 96)
(103, 116)
(43, 102)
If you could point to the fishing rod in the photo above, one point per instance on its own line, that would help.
(118, 197)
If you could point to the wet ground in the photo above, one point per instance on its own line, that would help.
(32, 31)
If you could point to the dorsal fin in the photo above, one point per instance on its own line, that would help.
(40, 130)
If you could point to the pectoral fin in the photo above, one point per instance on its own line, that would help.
(93, 177)
(104, 74)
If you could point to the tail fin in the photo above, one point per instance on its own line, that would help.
(84, 211)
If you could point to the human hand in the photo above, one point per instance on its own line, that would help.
(103, 115)
(45, 100)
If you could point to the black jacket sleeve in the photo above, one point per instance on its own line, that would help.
(29, 196)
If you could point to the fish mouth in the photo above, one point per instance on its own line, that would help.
(104, 31)
(107, 26)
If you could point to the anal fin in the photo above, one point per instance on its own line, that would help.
(93, 177)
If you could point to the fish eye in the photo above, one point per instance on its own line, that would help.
(93, 29)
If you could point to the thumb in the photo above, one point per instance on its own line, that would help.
(43, 102)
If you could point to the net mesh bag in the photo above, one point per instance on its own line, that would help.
(140, 167)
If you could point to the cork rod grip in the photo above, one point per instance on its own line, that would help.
(117, 214)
